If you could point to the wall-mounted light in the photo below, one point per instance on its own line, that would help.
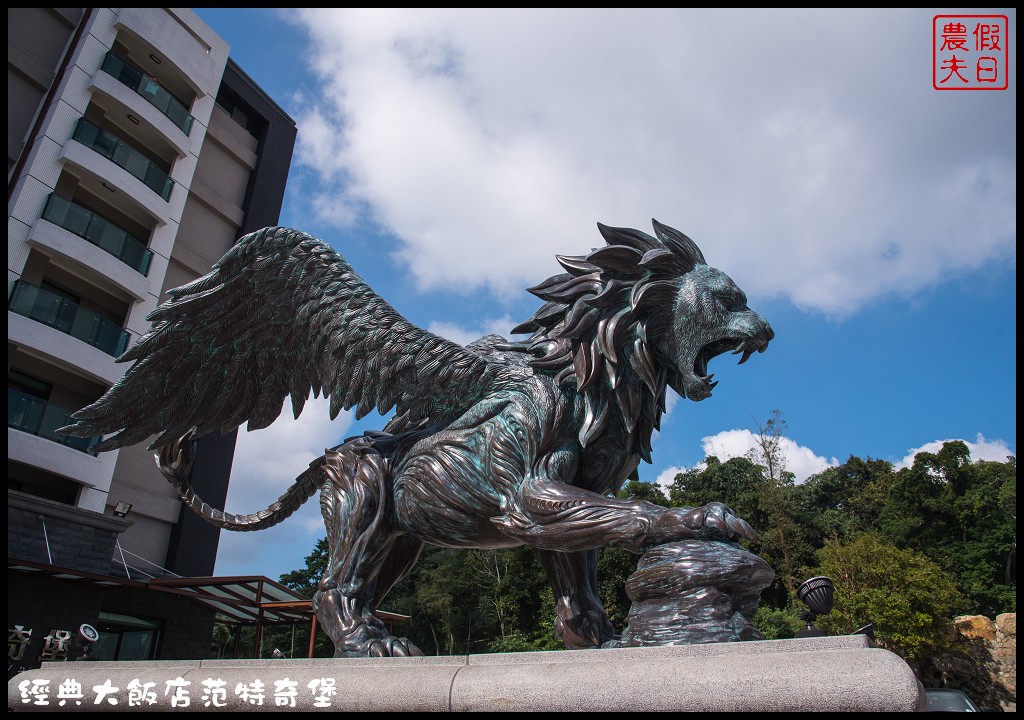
(154, 58)
(133, 119)
(122, 509)
(108, 187)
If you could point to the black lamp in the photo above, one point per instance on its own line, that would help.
(818, 594)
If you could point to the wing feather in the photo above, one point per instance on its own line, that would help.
(280, 315)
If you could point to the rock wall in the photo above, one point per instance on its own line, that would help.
(983, 662)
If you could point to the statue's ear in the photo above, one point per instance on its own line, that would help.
(679, 244)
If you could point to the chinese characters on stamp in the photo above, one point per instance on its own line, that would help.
(970, 52)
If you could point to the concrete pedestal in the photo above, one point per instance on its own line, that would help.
(814, 674)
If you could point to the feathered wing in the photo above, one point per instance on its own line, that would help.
(282, 314)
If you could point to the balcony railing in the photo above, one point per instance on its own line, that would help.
(58, 312)
(100, 232)
(37, 417)
(148, 88)
(124, 155)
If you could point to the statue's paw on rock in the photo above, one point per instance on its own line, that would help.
(714, 521)
(389, 646)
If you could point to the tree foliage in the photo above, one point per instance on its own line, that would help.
(907, 597)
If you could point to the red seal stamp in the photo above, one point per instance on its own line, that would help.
(970, 52)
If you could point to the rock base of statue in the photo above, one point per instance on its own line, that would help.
(692, 592)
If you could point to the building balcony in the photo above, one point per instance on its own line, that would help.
(149, 89)
(100, 232)
(38, 417)
(67, 316)
(124, 156)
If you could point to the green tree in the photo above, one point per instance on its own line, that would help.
(734, 482)
(223, 637)
(986, 510)
(841, 502)
(783, 536)
(907, 597)
(305, 580)
(777, 623)
(639, 490)
(510, 585)
(961, 514)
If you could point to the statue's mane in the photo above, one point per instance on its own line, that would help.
(599, 320)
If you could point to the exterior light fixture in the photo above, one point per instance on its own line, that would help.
(818, 594)
(122, 509)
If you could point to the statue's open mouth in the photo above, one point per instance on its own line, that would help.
(701, 384)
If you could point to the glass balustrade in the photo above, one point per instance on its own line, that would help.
(100, 232)
(58, 312)
(124, 155)
(148, 88)
(40, 418)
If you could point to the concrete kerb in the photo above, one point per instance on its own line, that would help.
(827, 674)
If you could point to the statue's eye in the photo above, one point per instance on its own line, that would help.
(732, 300)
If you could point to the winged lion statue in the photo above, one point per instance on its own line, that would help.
(496, 444)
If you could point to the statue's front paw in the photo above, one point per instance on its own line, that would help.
(587, 629)
(721, 523)
(391, 646)
(714, 521)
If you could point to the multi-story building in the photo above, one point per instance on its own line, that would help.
(137, 154)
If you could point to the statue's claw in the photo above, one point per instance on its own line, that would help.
(175, 460)
(587, 629)
(389, 646)
(714, 521)
(720, 522)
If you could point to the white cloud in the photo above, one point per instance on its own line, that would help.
(266, 463)
(799, 460)
(487, 139)
(667, 476)
(981, 449)
(464, 336)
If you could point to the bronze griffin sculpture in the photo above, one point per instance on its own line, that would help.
(492, 445)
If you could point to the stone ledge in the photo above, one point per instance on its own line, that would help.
(814, 674)
(827, 674)
(51, 508)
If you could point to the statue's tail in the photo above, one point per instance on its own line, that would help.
(175, 462)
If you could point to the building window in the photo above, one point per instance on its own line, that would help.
(125, 637)
(239, 111)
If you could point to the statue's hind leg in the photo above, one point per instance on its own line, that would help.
(366, 555)
(581, 621)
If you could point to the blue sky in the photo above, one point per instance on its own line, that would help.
(450, 154)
